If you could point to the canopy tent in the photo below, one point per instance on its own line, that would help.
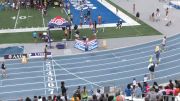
(58, 22)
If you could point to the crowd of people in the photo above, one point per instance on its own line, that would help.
(166, 92)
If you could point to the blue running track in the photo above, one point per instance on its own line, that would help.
(108, 68)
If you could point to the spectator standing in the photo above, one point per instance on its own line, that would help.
(138, 91)
(145, 89)
(98, 94)
(163, 47)
(157, 14)
(95, 25)
(134, 82)
(84, 94)
(119, 24)
(167, 13)
(78, 92)
(128, 90)
(156, 87)
(145, 78)
(177, 98)
(99, 19)
(137, 16)
(152, 17)
(151, 68)
(134, 8)
(171, 85)
(39, 98)
(4, 72)
(63, 88)
(152, 96)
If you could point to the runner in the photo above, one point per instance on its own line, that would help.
(163, 44)
(4, 73)
(157, 52)
(45, 52)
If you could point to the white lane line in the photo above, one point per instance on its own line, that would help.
(44, 78)
(43, 18)
(54, 75)
(95, 69)
(76, 75)
(24, 67)
(20, 91)
(176, 38)
(147, 46)
(17, 17)
(103, 64)
(65, 11)
(22, 84)
(104, 75)
(121, 56)
(97, 76)
(103, 59)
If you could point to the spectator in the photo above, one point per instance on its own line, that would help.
(43, 98)
(138, 91)
(63, 89)
(54, 98)
(134, 82)
(119, 97)
(27, 99)
(102, 98)
(49, 98)
(99, 19)
(177, 98)
(128, 90)
(156, 87)
(75, 27)
(98, 94)
(78, 92)
(137, 16)
(39, 98)
(59, 98)
(152, 17)
(151, 68)
(145, 78)
(171, 85)
(145, 89)
(168, 90)
(152, 96)
(35, 98)
(20, 99)
(157, 14)
(168, 23)
(94, 98)
(119, 24)
(84, 94)
(134, 8)
(4, 73)
(160, 93)
(177, 83)
(95, 25)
